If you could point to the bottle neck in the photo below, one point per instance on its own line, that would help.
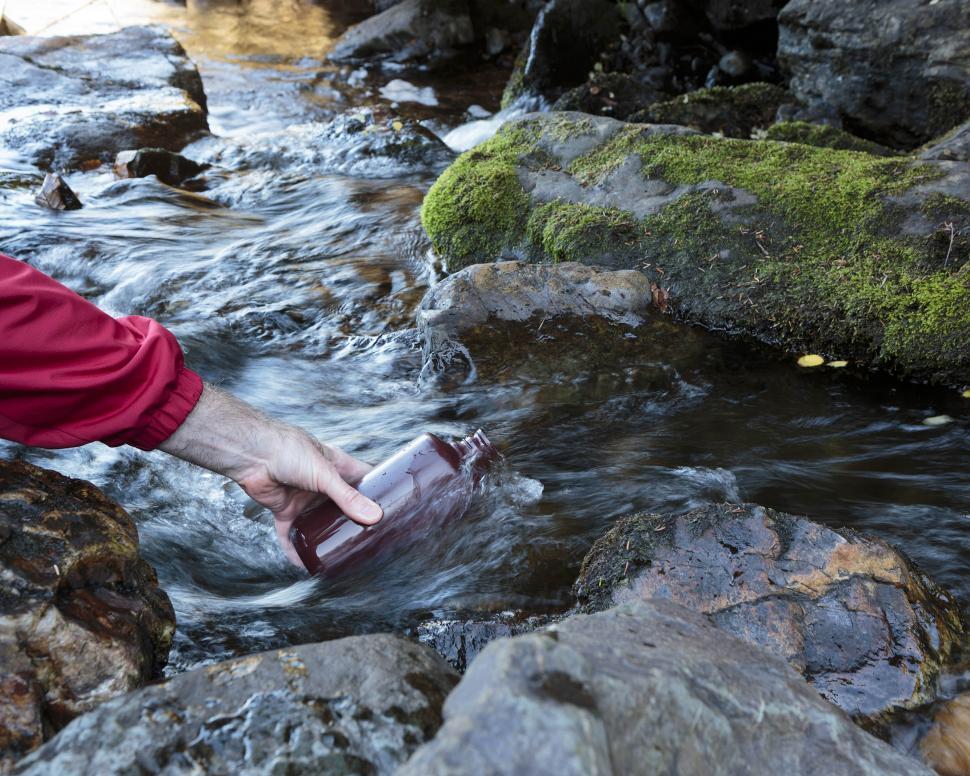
(476, 446)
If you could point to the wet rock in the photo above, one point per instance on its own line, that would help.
(82, 618)
(460, 640)
(411, 30)
(823, 136)
(952, 147)
(732, 111)
(646, 687)
(947, 745)
(361, 143)
(566, 39)
(168, 167)
(552, 312)
(356, 705)
(866, 628)
(610, 94)
(738, 14)
(68, 100)
(815, 250)
(55, 194)
(898, 71)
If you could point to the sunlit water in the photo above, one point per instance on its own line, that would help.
(294, 283)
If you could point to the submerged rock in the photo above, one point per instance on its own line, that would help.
(68, 100)
(866, 628)
(954, 146)
(408, 31)
(459, 641)
(947, 745)
(566, 39)
(733, 111)
(356, 705)
(82, 618)
(168, 167)
(897, 70)
(814, 249)
(55, 194)
(646, 687)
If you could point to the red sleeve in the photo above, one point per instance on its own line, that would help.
(71, 374)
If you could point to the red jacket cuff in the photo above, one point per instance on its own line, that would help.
(167, 418)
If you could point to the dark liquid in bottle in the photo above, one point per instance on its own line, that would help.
(423, 484)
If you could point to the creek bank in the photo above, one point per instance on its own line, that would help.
(866, 628)
(82, 618)
(67, 101)
(356, 705)
(812, 249)
(645, 687)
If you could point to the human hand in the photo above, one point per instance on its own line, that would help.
(279, 466)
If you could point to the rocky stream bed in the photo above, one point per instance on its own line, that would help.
(604, 232)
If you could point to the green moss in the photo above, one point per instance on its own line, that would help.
(949, 105)
(823, 136)
(477, 208)
(515, 87)
(566, 231)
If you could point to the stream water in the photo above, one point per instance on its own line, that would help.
(294, 286)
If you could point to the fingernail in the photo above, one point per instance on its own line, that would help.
(371, 511)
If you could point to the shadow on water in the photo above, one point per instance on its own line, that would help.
(296, 289)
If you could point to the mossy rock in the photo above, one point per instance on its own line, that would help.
(814, 249)
(823, 136)
(732, 111)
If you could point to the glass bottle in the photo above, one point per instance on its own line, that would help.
(425, 483)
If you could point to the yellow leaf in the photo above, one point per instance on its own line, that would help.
(966, 394)
(937, 420)
(397, 126)
(837, 364)
(811, 360)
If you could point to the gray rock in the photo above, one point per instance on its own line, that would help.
(898, 71)
(737, 14)
(411, 30)
(952, 147)
(68, 100)
(356, 705)
(55, 194)
(82, 618)
(460, 640)
(644, 688)
(865, 627)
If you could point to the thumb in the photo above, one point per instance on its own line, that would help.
(352, 502)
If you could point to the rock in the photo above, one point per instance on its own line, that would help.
(168, 167)
(947, 745)
(952, 147)
(551, 312)
(647, 687)
(356, 705)
(814, 250)
(68, 100)
(610, 94)
(566, 39)
(866, 628)
(737, 14)
(733, 111)
(898, 71)
(55, 194)
(823, 136)
(412, 30)
(82, 618)
(460, 640)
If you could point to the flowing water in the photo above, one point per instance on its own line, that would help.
(292, 281)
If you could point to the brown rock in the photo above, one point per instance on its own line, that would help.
(850, 612)
(947, 746)
(82, 618)
(56, 194)
(168, 166)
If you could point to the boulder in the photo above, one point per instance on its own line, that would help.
(356, 705)
(647, 687)
(849, 612)
(954, 146)
(82, 618)
(815, 250)
(460, 640)
(823, 136)
(55, 194)
(732, 111)
(169, 167)
(737, 14)
(946, 747)
(566, 40)
(552, 312)
(412, 30)
(610, 94)
(68, 100)
(898, 71)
